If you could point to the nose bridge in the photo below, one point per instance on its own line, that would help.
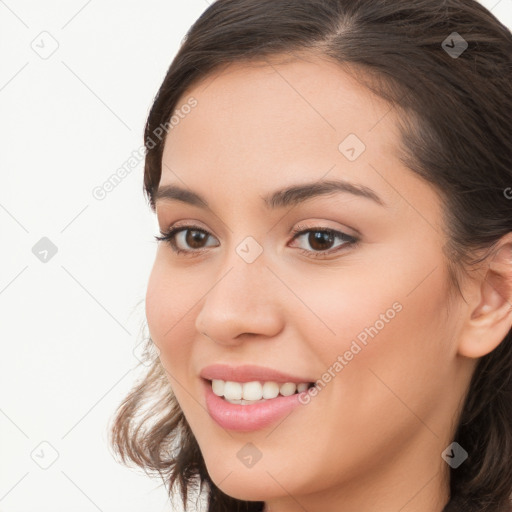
(242, 298)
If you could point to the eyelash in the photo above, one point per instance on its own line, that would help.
(169, 238)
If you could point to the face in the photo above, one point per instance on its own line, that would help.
(346, 288)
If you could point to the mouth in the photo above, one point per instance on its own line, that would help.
(253, 405)
(254, 392)
(251, 397)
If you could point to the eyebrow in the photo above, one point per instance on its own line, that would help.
(289, 196)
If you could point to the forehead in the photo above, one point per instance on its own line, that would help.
(256, 122)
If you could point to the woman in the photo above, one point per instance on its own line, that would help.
(332, 292)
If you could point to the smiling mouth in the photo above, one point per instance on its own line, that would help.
(247, 393)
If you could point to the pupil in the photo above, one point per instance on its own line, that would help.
(322, 237)
(194, 240)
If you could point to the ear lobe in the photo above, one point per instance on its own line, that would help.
(491, 320)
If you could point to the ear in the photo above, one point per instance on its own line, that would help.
(490, 314)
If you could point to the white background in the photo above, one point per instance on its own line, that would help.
(69, 326)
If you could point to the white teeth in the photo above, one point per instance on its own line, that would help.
(250, 392)
(270, 389)
(233, 390)
(288, 389)
(218, 387)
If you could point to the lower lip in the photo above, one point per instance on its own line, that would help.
(249, 417)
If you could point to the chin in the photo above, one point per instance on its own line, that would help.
(245, 492)
(245, 484)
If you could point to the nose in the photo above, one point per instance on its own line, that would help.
(243, 300)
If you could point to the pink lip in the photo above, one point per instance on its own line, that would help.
(248, 373)
(248, 417)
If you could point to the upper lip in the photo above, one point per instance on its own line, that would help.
(248, 373)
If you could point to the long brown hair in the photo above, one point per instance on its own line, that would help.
(456, 125)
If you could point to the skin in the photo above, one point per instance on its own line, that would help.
(372, 439)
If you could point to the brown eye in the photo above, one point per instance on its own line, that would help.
(185, 239)
(321, 240)
(194, 238)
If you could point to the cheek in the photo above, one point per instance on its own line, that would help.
(167, 311)
(403, 365)
(157, 305)
(347, 312)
